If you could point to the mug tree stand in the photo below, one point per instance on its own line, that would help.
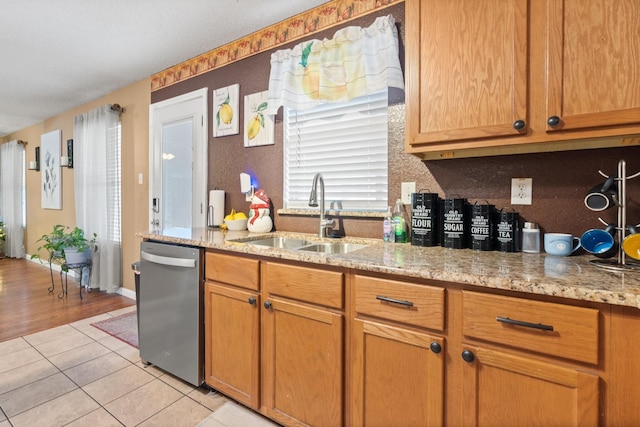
(620, 263)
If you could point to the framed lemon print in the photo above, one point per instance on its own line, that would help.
(225, 106)
(258, 126)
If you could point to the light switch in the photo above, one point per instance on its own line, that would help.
(407, 189)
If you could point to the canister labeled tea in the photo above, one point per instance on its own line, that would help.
(481, 228)
(424, 219)
(455, 225)
(507, 231)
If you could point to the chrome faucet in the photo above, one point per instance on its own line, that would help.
(325, 224)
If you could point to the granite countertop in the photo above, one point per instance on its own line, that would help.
(568, 277)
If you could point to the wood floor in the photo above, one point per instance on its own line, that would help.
(26, 305)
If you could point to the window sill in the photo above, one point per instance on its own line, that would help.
(333, 213)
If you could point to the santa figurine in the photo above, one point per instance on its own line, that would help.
(260, 213)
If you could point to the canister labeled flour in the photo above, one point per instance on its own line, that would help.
(424, 219)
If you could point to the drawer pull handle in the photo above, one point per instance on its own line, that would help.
(524, 324)
(394, 301)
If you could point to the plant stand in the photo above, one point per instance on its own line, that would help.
(64, 282)
(620, 263)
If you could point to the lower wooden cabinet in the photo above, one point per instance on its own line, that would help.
(303, 364)
(232, 342)
(398, 376)
(322, 346)
(303, 345)
(500, 388)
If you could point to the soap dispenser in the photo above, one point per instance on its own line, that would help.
(388, 232)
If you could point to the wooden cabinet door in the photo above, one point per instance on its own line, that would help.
(398, 376)
(593, 60)
(466, 71)
(508, 390)
(232, 342)
(302, 364)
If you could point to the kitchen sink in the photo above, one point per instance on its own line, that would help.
(280, 242)
(332, 248)
(296, 244)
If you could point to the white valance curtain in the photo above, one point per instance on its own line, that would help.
(12, 197)
(97, 191)
(355, 62)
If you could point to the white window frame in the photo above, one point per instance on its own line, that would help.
(348, 144)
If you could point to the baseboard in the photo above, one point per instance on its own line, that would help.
(126, 293)
(54, 267)
(121, 290)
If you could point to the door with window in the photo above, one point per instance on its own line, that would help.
(178, 161)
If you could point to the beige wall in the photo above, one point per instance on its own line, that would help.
(135, 99)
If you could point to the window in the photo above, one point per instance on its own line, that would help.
(347, 143)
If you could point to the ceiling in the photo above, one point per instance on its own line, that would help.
(58, 55)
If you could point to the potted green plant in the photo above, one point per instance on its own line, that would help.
(71, 246)
(76, 247)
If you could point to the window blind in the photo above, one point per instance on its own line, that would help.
(348, 144)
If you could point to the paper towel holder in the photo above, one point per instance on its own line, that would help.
(245, 185)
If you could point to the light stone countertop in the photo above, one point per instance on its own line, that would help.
(568, 277)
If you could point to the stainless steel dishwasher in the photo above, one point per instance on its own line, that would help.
(171, 323)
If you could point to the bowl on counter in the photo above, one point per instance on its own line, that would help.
(236, 224)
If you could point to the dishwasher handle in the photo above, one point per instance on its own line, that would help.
(164, 260)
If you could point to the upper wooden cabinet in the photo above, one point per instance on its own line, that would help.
(466, 70)
(491, 75)
(593, 58)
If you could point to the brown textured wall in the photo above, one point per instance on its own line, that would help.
(560, 180)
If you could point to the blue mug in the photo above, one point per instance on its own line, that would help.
(561, 244)
(599, 242)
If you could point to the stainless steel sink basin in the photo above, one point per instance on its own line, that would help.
(297, 244)
(280, 242)
(332, 248)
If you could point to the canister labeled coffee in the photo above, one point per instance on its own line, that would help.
(481, 228)
(455, 226)
(424, 219)
(507, 231)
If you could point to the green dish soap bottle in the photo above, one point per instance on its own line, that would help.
(399, 222)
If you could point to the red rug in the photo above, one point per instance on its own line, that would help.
(123, 327)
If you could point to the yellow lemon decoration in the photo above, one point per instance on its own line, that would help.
(240, 215)
(257, 122)
(253, 128)
(225, 112)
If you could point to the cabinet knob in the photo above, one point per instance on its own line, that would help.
(252, 300)
(553, 121)
(435, 347)
(468, 356)
(267, 304)
(519, 124)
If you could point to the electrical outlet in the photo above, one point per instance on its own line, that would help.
(521, 191)
(407, 189)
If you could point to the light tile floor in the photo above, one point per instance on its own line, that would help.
(77, 375)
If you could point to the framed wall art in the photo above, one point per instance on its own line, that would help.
(225, 105)
(258, 127)
(51, 185)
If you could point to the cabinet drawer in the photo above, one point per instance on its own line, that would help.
(554, 329)
(234, 270)
(413, 304)
(312, 285)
